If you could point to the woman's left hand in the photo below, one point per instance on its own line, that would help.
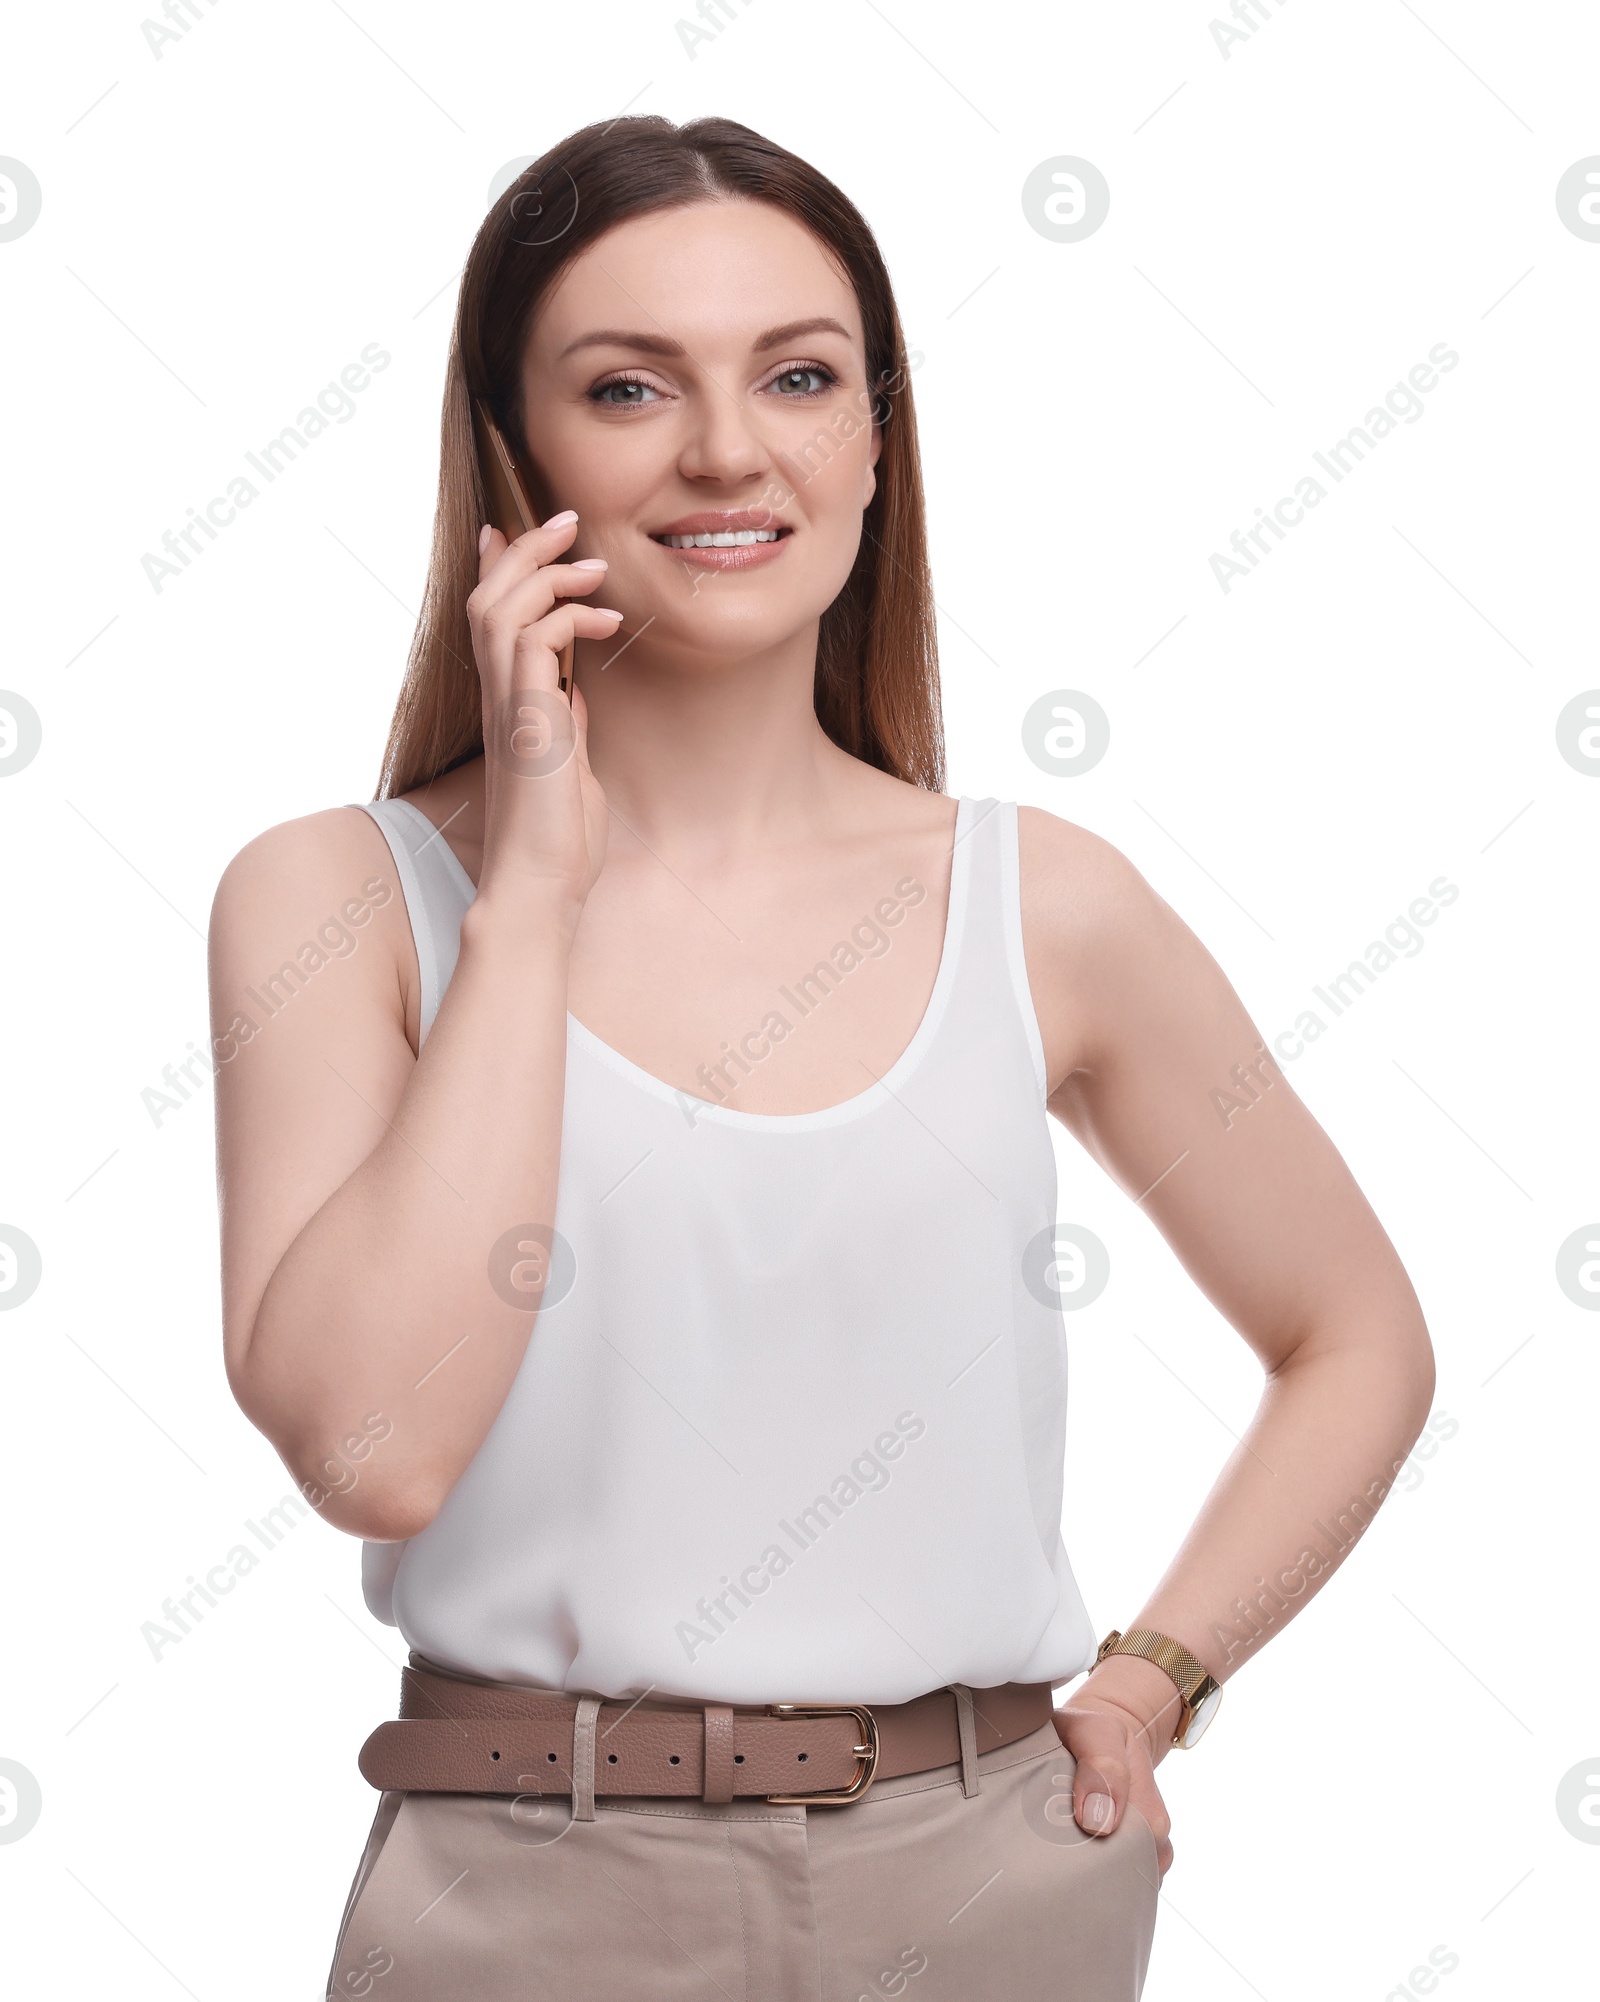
(1115, 1769)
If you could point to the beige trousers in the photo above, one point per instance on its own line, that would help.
(923, 1890)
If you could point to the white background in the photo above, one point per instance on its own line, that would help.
(1292, 227)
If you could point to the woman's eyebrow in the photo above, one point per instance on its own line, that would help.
(791, 330)
(659, 344)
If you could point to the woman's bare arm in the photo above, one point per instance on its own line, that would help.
(364, 1188)
(1141, 1027)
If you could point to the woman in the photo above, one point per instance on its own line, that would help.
(692, 1031)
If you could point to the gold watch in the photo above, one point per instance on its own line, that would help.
(1200, 1690)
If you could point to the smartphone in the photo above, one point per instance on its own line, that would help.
(507, 495)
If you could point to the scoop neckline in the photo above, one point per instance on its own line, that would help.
(879, 1092)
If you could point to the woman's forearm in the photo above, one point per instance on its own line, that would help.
(384, 1316)
(1329, 1435)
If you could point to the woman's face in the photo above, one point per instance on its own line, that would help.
(701, 372)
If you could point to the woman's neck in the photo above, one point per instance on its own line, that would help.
(700, 761)
(710, 756)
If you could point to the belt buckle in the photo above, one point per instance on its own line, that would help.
(866, 1753)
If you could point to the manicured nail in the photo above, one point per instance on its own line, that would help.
(591, 563)
(561, 520)
(483, 538)
(606, 612)
(1098, 1809)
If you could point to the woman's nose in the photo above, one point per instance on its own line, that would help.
(724, 443)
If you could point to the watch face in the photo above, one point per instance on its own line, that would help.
(1200, 1720)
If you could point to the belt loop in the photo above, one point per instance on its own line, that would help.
(718, 1783)
(967, 1730)
(583, 1725)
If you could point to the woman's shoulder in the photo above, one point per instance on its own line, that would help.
(1078, 889)
(313, 864)
(1080, 893)
(295, 899)
(1051, 844)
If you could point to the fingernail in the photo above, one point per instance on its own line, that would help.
(483, 538)
(606, 612)
(561, 520)
(1098, 1810)
(591, 563)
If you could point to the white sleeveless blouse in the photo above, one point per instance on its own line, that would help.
(791, 1425)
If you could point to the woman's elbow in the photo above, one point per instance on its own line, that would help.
(359, 1484)
(389, 1509)
(380, 1518)
(1424, 1372)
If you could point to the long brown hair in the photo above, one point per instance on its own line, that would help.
(877, 678)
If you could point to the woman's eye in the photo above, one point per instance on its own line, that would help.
(801, 381)
(628, 393)
(623, 395)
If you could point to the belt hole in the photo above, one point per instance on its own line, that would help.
(673, 1759)
(611, 1758)
(738, 1758)
(803, 1757)
(494, 1755)
(551, 1757)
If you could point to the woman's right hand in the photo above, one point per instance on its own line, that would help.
(544, 813)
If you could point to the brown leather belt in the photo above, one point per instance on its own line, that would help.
(460, 1736)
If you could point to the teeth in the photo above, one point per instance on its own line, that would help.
(737, 539)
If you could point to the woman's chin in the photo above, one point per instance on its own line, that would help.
(691, 639)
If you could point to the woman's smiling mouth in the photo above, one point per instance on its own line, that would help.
(724, 540)
(737, 539)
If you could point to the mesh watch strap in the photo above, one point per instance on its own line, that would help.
(1167, 1654)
